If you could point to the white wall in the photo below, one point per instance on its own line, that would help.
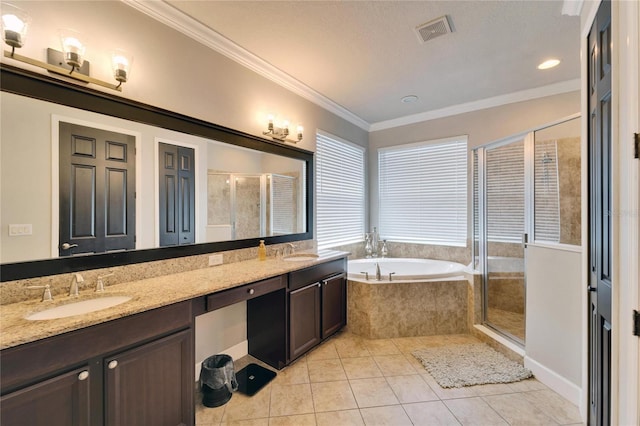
(554, 318)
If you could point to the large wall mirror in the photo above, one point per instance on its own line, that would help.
(93, 180)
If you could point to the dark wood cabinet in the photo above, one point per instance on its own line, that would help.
(317, 305)
(144, 385)
(61, 400)
(130, 371)
(304, 319)
(334, 304)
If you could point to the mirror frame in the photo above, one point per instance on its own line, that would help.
(42, 87)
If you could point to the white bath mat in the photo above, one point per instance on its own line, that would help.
(455, 366)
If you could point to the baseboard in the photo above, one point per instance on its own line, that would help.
(556, 382)
(236, 352)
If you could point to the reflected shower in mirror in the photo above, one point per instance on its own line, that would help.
(240, 193)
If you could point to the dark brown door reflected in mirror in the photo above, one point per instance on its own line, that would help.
(97, 190)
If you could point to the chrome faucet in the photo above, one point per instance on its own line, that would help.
(291, 247)
(73, 289)
(378, 275)
(46, 296)
(100, 282)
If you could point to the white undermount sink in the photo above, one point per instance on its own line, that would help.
(301, 257)
(78, 308)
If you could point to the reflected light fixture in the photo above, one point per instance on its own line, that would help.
(70, 62)
(281, 133)
(550, 63)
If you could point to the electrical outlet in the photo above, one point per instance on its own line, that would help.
(16, 230)
(215, 259)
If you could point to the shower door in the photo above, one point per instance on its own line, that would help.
(527, 237)
(235, 206)
(504, 227)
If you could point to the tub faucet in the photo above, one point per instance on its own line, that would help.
(378, 276)
(73, 289)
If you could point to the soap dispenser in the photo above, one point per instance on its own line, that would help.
(262, 251)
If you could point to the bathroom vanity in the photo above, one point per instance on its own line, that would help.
(133, 363)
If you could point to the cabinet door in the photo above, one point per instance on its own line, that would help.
(151, 384)
(62, 400)
(334, 306)
(304, 319)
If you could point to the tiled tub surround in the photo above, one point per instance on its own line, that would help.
(17, 291)
(147, 294)
(414, 251)
(407, 309)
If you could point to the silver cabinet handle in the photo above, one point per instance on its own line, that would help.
(112, 364)
(84, 375)
(251, 291)
(319, 284)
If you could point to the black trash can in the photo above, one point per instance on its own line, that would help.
(217, 380)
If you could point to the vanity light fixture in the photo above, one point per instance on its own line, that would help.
(70, 62)
(281, 133)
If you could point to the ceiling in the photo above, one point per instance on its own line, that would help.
(365, 56)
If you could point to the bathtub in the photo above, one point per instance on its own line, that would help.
(404, 270)
(425, 297)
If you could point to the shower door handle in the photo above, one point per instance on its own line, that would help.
(525, 240)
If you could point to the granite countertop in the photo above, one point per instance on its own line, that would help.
(145, 295)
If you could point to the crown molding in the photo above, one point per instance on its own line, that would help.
(173, 18)
(510, 98)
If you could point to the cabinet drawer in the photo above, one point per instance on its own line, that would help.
(245, 292)
(298, 279)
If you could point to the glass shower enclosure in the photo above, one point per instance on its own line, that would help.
(526, 192)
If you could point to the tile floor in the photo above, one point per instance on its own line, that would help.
(353, 381)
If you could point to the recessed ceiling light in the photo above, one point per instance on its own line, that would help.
(409, 99)
(548, 64)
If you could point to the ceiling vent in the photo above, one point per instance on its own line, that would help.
(432, 29)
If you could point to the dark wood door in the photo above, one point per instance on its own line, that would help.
(62, 400)
(151, 384)
(334, 304)
(177, 195)
(304, 319)
(97, 190)
(600, 230)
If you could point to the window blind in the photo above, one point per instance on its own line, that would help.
(340, 192)
(423, 192)
(283, 205)
(505, 192)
